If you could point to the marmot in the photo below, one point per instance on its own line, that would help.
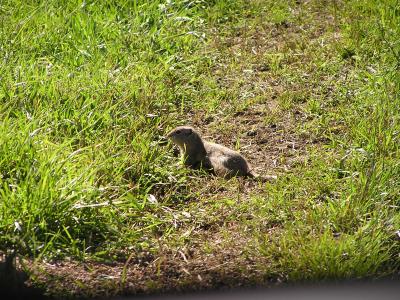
(198, 153)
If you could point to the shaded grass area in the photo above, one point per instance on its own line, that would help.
(308, 91)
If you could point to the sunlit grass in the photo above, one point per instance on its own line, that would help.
(89, 88)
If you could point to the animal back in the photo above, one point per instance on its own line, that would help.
(226, 162)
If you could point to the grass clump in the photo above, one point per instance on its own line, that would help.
(87, 89)
(348, 226)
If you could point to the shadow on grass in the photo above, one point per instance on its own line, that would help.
(13, 282)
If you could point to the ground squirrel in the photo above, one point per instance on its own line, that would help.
(198, 153)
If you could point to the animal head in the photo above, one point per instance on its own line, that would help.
(181, 135)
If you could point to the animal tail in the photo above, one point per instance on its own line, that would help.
(263, 178)
(252, 174)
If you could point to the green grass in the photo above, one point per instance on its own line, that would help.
(89, 88)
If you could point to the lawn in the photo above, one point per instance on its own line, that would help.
(94, 201)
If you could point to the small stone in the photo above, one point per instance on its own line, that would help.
(252, 133)
(152, 199)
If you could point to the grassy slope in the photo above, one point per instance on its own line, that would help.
(308, 91)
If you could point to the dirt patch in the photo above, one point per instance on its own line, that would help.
(257, 120)
(179, 270)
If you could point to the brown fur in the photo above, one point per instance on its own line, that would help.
(198, 153)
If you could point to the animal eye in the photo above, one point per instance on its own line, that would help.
(178, 132)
